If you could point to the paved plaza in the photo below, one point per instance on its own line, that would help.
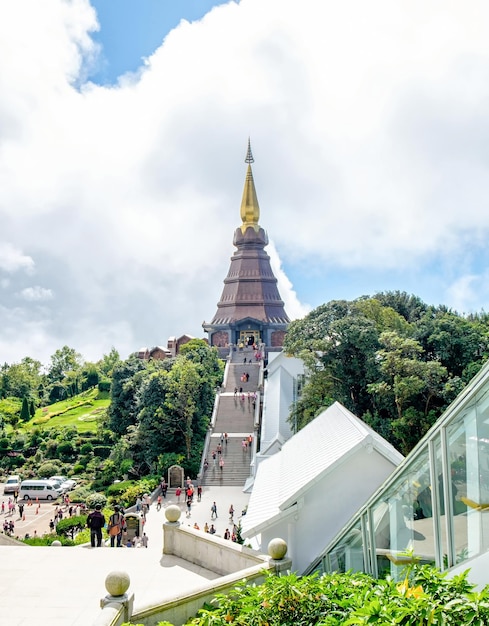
(62, 586)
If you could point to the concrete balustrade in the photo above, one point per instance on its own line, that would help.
(235, 562)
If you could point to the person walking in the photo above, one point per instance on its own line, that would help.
(231, 513)
(199, 493)
(221, 464)
(115, 527)
(95, 521)
(214, 511)
(144, 540)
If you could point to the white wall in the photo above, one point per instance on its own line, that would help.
(329, 506)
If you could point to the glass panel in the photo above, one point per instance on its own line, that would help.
(403, 520)
(442, 525)
(348, 552)
(468, 447)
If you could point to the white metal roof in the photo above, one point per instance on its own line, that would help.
(304, 459)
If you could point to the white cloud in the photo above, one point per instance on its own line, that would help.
(368, 124)
(13, 260)
(36, 293)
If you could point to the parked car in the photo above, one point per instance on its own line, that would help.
(58, 485)
(67, 483)
(12, 485)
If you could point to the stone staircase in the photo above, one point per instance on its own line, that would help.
(235, 415)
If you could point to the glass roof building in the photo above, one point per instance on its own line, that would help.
(434, 508)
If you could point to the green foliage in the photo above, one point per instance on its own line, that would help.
(81, 494)
(20, 380)
(48, 469)
(124, 390)
(104, 386)
(47, 540)
(64, 361)
(86, 448)
(108, 362)
(391, 359)
(65, 451)
(425, 597)
(95, 498)
(83, 536)
(75, 522)
(10, 408)
(103, 452)
(24, 412)
(132, 492)
(117, 488)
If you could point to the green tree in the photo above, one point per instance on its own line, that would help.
(126, 382)
(90, 376)
(63, 361)
(180, 401)
(20, 379)
(108, 362)
(24, 412)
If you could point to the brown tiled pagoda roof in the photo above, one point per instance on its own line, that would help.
(250, 288)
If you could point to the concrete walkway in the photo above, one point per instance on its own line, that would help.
(59, 586)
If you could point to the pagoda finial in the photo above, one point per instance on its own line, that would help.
(250, 210)
(249, 154)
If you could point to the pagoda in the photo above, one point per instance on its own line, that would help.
(250, 311)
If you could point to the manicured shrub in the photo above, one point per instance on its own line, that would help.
(102, 452)
(96, 498)
(104, 386)
(117, 488)
(80, 494)
(76, 522)
(48, 469)
(47, 540)
(65, 450)
(86, 448)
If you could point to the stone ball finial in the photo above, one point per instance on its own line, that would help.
(56, 543)
(172, 513)
(117, 583)
(277, 549)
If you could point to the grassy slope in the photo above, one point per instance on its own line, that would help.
(80, 411)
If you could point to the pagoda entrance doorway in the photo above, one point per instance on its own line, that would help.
(249, 337)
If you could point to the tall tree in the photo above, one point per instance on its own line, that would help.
(126, 383)
(24, 412)
(63, 361)
(108, 362)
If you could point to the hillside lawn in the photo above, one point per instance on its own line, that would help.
(80, 411)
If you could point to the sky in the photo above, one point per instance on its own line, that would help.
(123, 133)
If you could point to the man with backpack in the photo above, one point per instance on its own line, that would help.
(117, 524)
(96, 521)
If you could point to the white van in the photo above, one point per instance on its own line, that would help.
(42, 489)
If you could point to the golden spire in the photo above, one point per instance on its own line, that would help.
(250, 210)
